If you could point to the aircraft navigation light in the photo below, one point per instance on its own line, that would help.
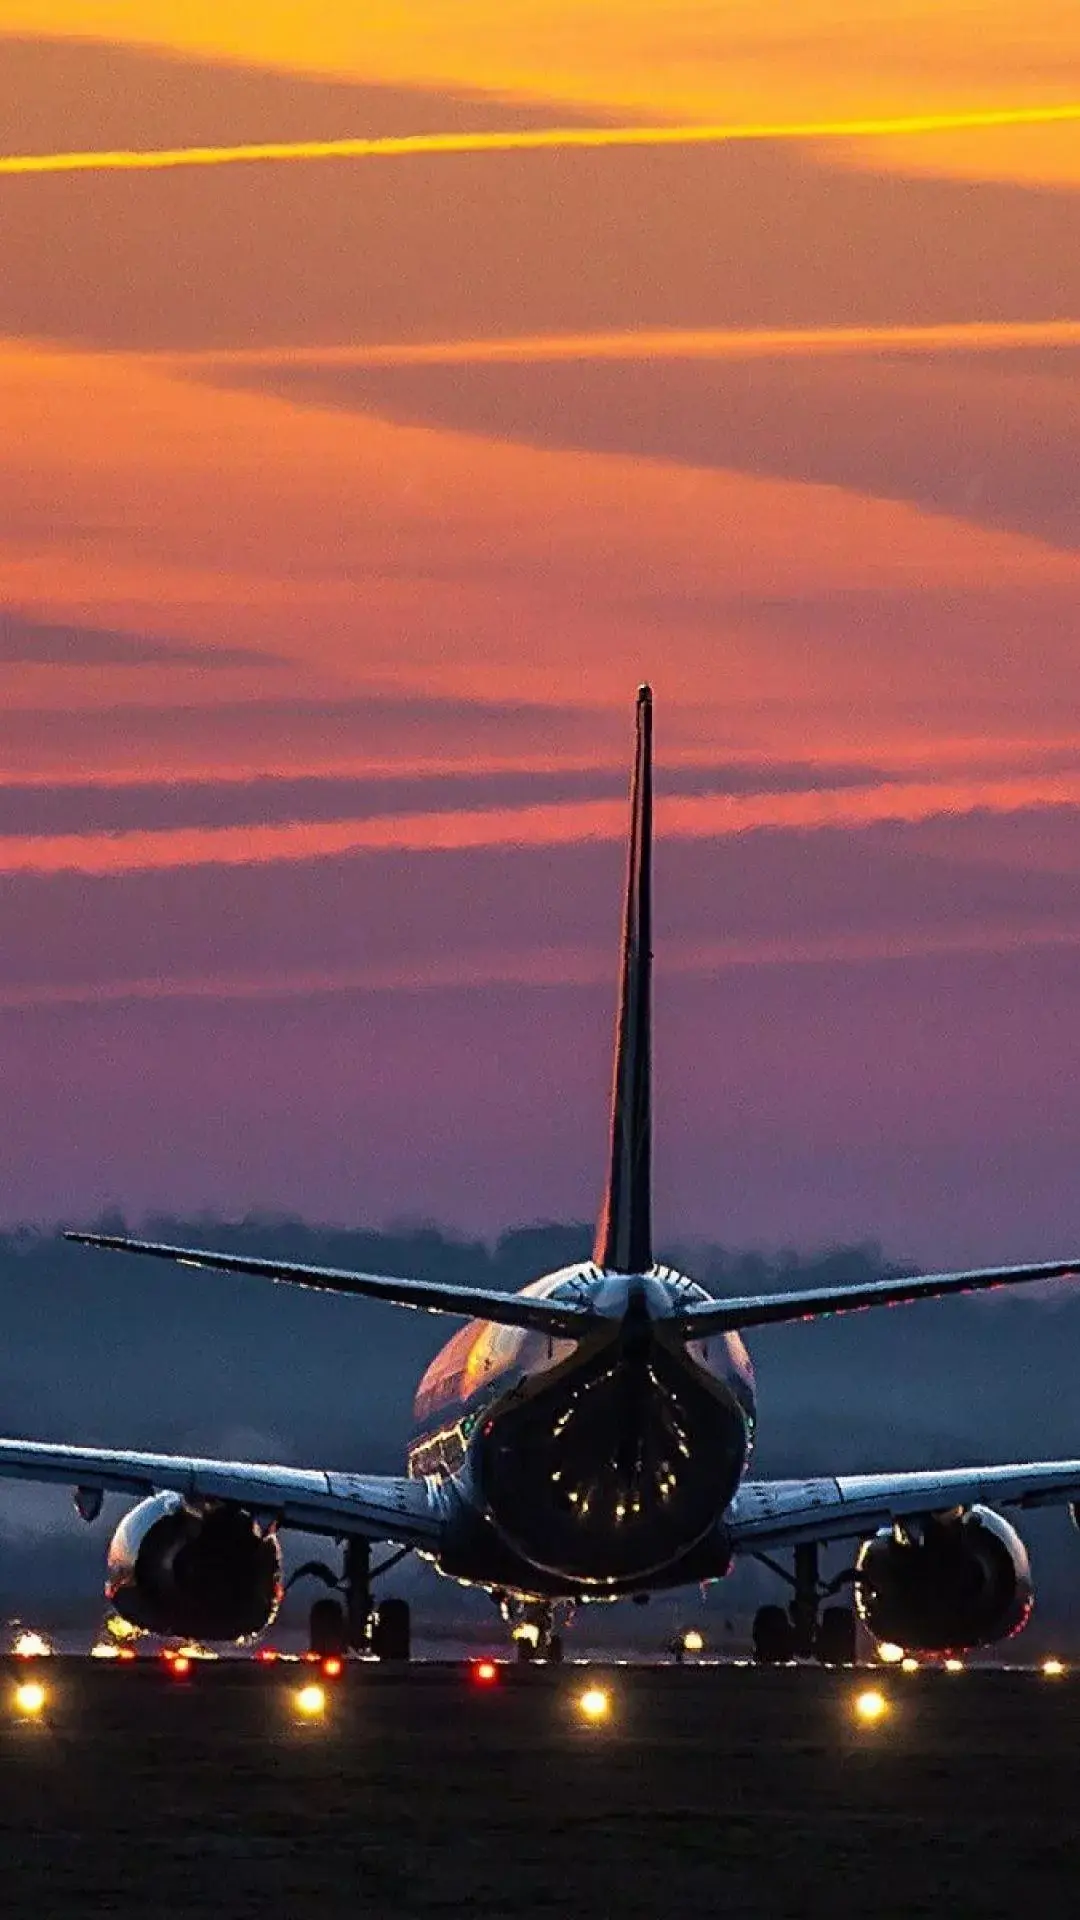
(594, 1703)
(909, 1664)
(30, 1698)
(485, 1673)
(1052, 1669)
(890, 1653)
(871, 1706)
(310, 1702)
(333, 1667)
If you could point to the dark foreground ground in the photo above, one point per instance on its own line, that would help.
(706, 1792)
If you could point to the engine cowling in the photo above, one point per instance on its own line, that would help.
(945, 1582)
(208, 1573)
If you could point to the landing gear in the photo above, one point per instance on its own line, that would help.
(774, 1637)
(834, 1642)
(328, 1634)
(354, 1623)
(804, 1630)
(533, 1628)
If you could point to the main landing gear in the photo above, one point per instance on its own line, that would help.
(804, 1630)
(354, 1623)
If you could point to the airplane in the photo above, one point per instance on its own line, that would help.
(587, 1439)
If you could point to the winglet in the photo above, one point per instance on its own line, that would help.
(624, 1229)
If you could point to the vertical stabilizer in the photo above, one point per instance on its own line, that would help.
(624, 1230)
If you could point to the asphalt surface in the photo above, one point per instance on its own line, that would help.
(420, 1792)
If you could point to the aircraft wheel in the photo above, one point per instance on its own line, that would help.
(834, 1641)
(391, 1633)
(328, 1634)
(774, 1637)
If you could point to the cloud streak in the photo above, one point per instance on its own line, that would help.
(703, 816)
(533, 139)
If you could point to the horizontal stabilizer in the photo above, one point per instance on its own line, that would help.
(770, 1309)
(558, 1318)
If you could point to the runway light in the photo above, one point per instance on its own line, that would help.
(310, 1702)
(890, 1653)
(31, 1646)
(266, 1656)
(485, 1673)
(179, 1666)
(30, 1698)
(104, 1650)
(333, 1667)
(693, 1641)
(871, 1706)
(1052, 1669)
(954, 1666)
(909, 1664)
(125, 1653)
(594, 1703)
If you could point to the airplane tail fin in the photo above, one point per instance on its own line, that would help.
(624, 1229)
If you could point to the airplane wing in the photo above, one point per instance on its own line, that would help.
(559, 1318)
(765, 1309)
(776, 1513)
(378, 1506)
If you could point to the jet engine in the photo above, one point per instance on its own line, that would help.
(209, 1572)
(944, 1582)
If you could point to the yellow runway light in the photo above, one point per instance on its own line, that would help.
(909, 1664)
(32, 1646)
(30, 1698)
(310, 1702)
(1052, 1669)
(890, 1653)
(871, 1706)
(954, 1666)
(594, 1704)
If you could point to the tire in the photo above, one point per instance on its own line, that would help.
(774, 1637)
(391, 1632)
(834, 1641)
(328, 1634)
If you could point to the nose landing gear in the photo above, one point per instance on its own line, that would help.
(804, 1630)
(533, 1628)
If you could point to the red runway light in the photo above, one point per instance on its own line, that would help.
(333, 1667)
(485, 1673)
(180, 1666)
(267, 1655)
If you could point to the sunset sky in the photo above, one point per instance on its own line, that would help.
(345, 501)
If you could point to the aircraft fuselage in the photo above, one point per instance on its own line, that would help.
(597, 1467)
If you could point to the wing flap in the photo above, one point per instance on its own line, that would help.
(378, 1506)
(770, 1309)
(772, 1513)
(558, 1318)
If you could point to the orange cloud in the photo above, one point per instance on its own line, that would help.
(683, 817)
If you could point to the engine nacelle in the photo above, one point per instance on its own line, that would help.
(945, 1582)
(207, 1573)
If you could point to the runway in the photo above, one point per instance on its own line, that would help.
(424, 1791)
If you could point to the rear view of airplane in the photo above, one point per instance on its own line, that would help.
(586, 1439)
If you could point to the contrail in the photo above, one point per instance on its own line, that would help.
(529, 140)
(665, 343)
